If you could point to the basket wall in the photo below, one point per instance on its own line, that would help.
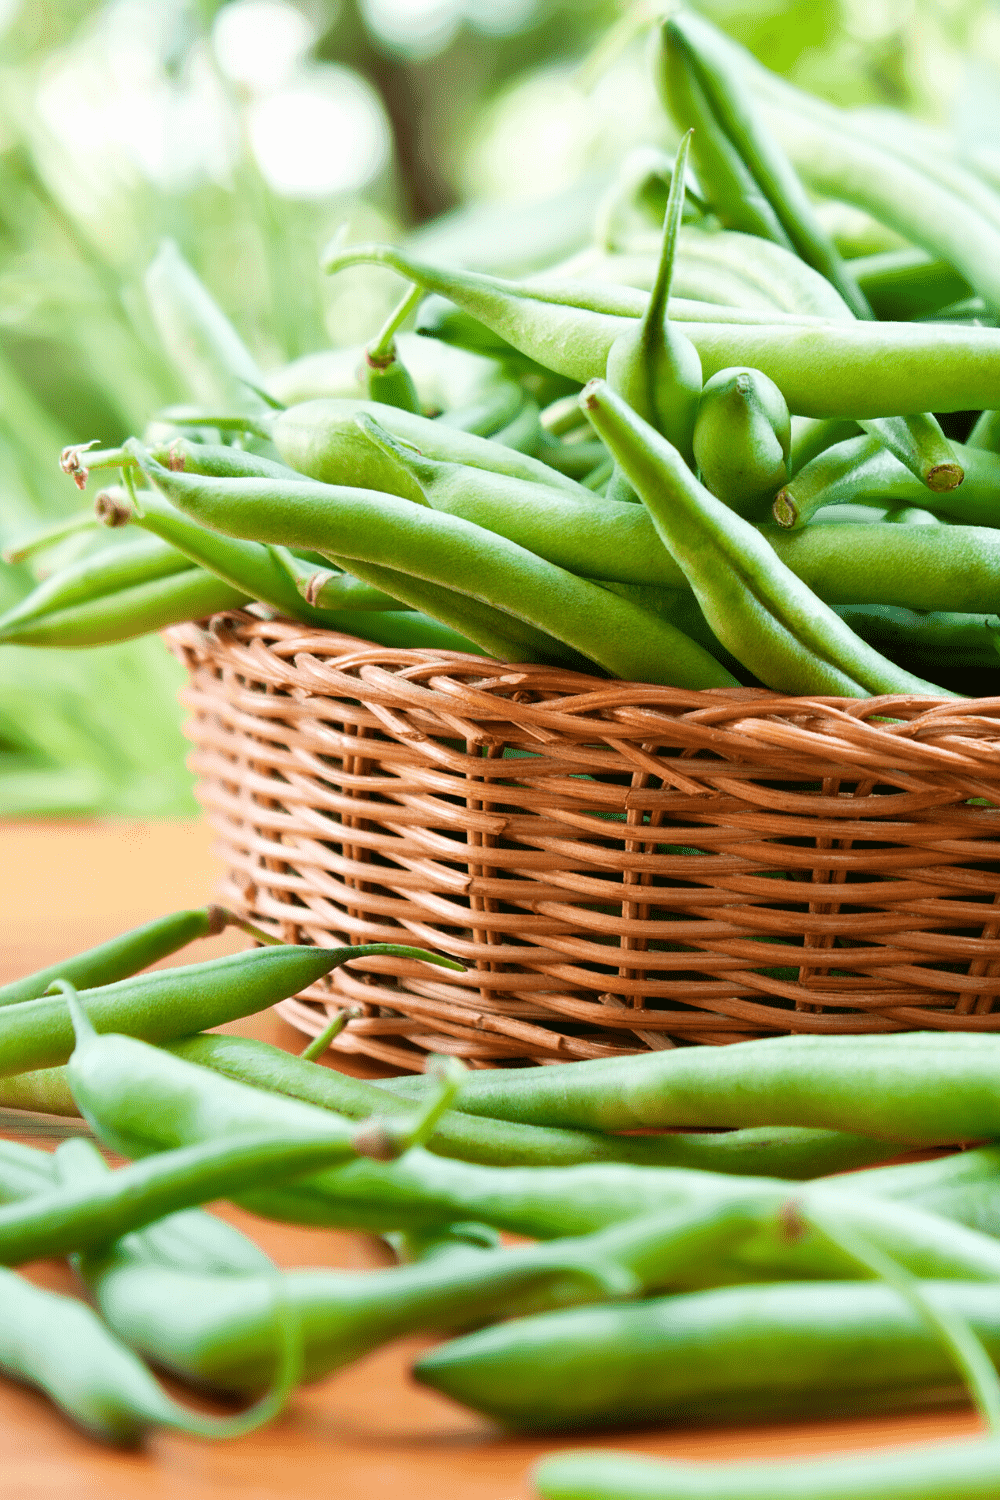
(620, 866)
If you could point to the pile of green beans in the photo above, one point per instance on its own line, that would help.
(771, 475)
(212, 1116)
(495, 518)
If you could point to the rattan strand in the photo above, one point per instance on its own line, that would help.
(621, 866)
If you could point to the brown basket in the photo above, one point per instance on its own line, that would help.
(620, 866)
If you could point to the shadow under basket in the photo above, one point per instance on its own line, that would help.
(620, 866)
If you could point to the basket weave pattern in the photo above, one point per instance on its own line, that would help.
(620, 866)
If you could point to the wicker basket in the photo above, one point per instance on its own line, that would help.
(620, 866)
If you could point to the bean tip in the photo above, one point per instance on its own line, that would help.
(944, 477)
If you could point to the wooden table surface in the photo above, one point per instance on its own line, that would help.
(368, 1431)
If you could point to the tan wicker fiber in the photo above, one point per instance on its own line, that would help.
(620, 866)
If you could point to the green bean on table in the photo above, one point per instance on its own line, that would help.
(171, 1003)
(779, 1152)
(921, 1087)
(124, 955)
(947, 1471)
(732, 1354)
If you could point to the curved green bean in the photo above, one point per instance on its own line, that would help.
(759, 610)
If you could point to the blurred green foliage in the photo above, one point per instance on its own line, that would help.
(121, 122)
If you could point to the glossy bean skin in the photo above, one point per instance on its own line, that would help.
(778, 1153)
(89, 1215)
(169, 1003)
(246, 566)
(726, 1228)
(123, 955)
(759, 610)
(129, 612)
(946, 1471)
(850, 369)
(954, 570)
(442, 550)
(137, 1099)
(919, 1087)
(736, 1354)
(742, 439)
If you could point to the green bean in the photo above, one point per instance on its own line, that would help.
(386, 377)
(203, 345)
(122, 956)
(331, 587)
(742, 439)
(189, 1240)
(952, 570)
(61, 1346)
(524, 432)
(759, 610)
(244, 565)
(813, 435)
(105, 572)
(321, 441)
(788, 1153)
(725, 103)
(129, 612)
(935, 639)
(733, 1354)
(177, 453)
(496, 409)
(448, 552)
(920, 445)
(779, 1153)
(652, 365)
(944, 1471)
(225, 1335)
(839, 159)
(861, 471)
(920, 1087)
(171, 1003)
(907, 283)
(727, 266)
(900, 515)
(851, 369)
